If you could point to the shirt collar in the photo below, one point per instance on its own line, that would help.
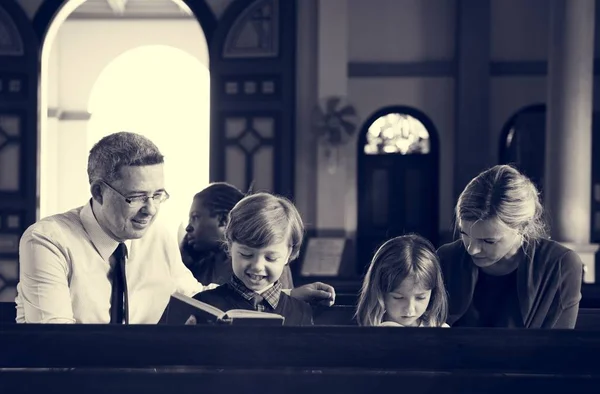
(104, 243)
(271, 295)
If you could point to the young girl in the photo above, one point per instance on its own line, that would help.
(264, 233)
(403, 286)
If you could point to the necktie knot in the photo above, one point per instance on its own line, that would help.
(120, 252)
(257, 301)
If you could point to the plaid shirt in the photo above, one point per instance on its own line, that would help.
(269, 296)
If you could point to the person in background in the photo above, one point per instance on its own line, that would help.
(203, 249)
(504, 271)
(403, 286)
(264, 234)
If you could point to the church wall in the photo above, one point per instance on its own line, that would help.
(519, 50)
(519, 41)
(401, 30)
(405, 32)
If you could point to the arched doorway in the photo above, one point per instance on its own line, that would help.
(523, 144)
(152, 80)
(398, 176)
(173, 111)
(523, 141)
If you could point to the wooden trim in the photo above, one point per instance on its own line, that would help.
(327, 233)
(68, 115)
(116, 17)
(439, 68)
(526, 68)
(518, 68)
(49, 9)
(447, 69)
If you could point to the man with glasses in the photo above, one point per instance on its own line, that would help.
(106, 262)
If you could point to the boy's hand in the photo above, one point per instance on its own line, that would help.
(317, 293)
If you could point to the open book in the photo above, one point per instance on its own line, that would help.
(185, 310)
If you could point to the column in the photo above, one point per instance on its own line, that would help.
(567, 189)
(305, 189)
(332, 66)
(472, 92)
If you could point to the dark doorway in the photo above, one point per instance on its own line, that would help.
(397, 179)
(523, 144)
(523, 141)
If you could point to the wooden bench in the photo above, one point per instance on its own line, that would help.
(341, 315)
(210, 359)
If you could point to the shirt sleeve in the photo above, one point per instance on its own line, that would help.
(43, 280)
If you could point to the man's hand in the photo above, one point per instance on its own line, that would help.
(315, 293)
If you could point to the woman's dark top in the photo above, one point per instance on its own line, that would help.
(543, 292)
(495, 303)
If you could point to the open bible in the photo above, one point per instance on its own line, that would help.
(183, 310)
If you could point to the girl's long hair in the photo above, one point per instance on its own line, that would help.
(397, 259)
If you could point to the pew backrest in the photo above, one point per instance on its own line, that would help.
(8, 313)
(340, 315)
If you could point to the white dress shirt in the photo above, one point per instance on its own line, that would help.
(64, 271)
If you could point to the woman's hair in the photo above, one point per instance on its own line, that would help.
(503, 193)
(219, 198)
(263, 219)
(397, 259)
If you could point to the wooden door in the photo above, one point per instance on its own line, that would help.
(398, 192)
(401, 199)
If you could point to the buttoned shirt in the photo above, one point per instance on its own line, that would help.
(64, 271)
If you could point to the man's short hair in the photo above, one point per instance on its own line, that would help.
(120, 149)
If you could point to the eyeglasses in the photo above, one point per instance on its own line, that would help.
(138, 201)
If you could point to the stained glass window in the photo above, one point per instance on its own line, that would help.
(397, 133)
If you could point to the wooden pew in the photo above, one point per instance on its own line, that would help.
(340, 315)
(347, 294)
(8, 313)
(343, 315)
(148, 360)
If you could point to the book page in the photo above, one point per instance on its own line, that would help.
(199, 305)
(243, 313)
